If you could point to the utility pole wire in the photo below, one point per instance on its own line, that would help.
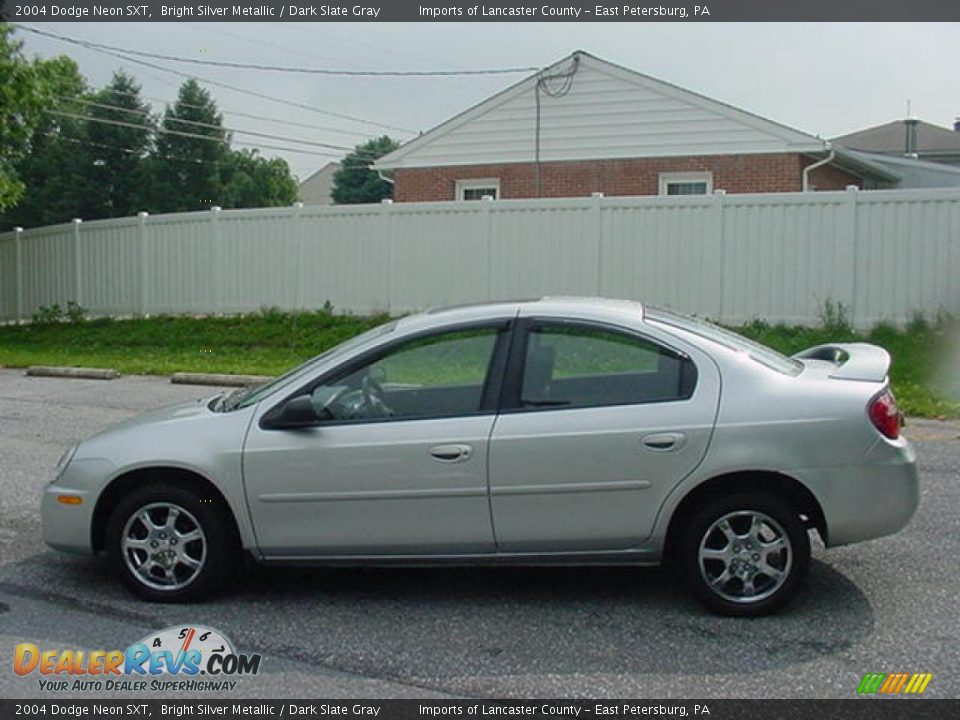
(288, 68)
(197, 123)
(195, 136)
(217, 83)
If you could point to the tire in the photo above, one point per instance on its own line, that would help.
(744, 555)
(184, 556)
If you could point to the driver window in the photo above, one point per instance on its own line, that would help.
(436, 376)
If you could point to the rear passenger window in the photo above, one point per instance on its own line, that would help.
(580, 366)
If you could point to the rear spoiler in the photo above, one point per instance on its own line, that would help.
(854, 361)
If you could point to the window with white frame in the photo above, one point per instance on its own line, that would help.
(477, 188)
(686, 183)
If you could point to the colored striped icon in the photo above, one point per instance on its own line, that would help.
(894, 683)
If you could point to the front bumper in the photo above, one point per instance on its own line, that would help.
(67, 527)
(874, 498)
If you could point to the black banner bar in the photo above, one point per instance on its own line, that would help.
(859, 709)
(35, 11)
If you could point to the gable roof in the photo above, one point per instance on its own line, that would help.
(604, 111)
(908, 172)
(890, 138)
(326, 171)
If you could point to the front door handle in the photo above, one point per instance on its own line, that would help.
(664, 442)
(451, 453)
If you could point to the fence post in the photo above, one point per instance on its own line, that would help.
(852, 194)
(486, 205)
(18, 260)
(596, 210)
(385, 206)
(142, 258)
(720, 209)
(77, 270)
(298, 240)
(215, 255)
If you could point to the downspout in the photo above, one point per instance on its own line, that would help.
(385, 178)
(820, 163)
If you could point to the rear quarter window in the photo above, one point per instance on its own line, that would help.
(759, 353)
(585, 366)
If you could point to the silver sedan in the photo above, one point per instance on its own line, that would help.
(562, 430)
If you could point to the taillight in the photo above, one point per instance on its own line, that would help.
(885, 415)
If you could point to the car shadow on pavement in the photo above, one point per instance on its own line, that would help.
(455, 622)
(494, 621)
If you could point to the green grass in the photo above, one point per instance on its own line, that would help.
(264, 343)
(269, 342)
(919, 353)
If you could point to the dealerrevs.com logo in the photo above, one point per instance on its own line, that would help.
(179, 658)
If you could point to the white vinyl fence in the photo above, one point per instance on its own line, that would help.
(882, 254)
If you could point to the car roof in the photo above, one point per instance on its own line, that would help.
(574, 307)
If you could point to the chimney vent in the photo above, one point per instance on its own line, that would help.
(910, 137)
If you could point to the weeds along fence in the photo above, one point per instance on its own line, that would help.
(881, 255)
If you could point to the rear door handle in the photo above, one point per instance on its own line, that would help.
(451, 453)
(664, 442)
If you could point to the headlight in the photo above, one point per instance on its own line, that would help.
(64, 461)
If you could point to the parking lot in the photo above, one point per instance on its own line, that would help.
(889, 605)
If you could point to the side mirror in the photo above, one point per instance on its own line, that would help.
(297, 412)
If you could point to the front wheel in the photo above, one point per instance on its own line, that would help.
(168, 544)
(744, 555)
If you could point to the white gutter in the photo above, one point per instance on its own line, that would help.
(820, 163)
(384, 177)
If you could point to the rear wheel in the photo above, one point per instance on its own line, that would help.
(168, 544)
(744, 555)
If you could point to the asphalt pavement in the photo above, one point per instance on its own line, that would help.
(889, 605)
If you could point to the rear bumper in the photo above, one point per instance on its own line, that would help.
(874, 498)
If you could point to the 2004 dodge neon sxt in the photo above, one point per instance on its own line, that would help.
(566, 430)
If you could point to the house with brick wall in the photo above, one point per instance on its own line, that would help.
(585, 125)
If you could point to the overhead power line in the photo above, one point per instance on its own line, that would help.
(197, 123)
(238, 113)
(244, 91)
(290, 68)
(195, 136)
(129, 151)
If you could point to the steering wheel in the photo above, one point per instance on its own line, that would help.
(373, 397)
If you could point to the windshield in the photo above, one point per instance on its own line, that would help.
(250, 396)
(761, 353)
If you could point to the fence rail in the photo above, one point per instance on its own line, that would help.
(882, 254)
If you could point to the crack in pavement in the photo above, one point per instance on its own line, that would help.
(285, 652)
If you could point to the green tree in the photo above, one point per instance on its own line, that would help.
(355, 182)
(118, 136)
(249, 180)
(183, 173)
(53, 170)
(23, 96)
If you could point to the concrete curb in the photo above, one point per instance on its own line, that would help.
(186, 378)
(72, 372)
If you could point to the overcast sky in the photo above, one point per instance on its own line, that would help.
(825, 79)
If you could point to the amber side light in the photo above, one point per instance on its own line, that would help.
(69, 499)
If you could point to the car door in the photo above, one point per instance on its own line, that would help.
(395, 464)
(598, 423)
